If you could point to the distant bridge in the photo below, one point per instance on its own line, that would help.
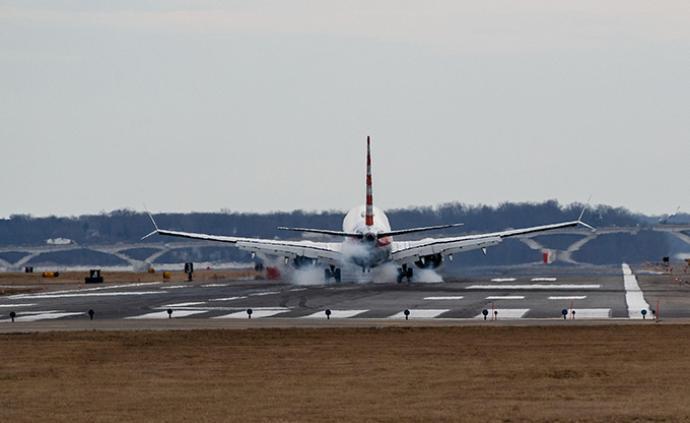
(115, 250)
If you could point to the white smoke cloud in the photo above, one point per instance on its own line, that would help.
(426, 276)
(385, 274)
(351, 249)
(308, 275)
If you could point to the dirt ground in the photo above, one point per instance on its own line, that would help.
(584, 373)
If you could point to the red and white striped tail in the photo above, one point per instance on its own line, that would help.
(369, 218)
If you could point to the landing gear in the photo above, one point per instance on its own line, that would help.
(332, 273)
(405, 272)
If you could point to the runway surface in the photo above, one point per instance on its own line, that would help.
(522, 297)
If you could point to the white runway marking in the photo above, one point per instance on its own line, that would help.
(125, 285)
(32, 317)
(535, 286)
(506, 297)
(77, 291)
(16, 305)
(298, 289)
(457, 297)
(634, 297)
(184, 304)
(256, 313)
(164, 314)
(228, 298)
(261, 294)
(544, 279)
(90, 294)
(503, 280)
(335, 314)
(215, 285)
(174, 287)
(505, 314)
(420, 313)
(590, 313)
(569, 297)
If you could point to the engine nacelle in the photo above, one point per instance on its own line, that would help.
(301, 261)
(431, 261)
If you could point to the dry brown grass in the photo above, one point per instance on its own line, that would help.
(607, 373)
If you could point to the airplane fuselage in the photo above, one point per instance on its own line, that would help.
(368, 251)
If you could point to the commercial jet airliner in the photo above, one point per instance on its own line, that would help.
(368, 242)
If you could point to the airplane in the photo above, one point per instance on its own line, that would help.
(367, 241)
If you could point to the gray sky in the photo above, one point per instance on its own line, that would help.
(265, 105)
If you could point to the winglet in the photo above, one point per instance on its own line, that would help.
(582, 213)
(155, 225)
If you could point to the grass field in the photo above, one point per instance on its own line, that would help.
(584, 373)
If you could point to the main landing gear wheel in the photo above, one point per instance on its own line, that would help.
(405, 272)
(332, 273)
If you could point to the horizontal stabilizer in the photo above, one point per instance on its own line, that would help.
(322, 231)
(414, 230)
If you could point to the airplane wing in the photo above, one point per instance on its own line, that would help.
(411, 251)
(324, 252)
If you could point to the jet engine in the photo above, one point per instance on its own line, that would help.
(431, 261)
(302, 261)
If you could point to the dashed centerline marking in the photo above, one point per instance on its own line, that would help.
(503, 280)
(456, 297)
(568, 297)
(535, 286)
(544, 279)
(506, 297)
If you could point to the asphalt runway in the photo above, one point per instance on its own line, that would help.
(524, 297)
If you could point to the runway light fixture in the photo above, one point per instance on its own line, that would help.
(485, 312)
(564, 312)
(328, 314)
(91, 313)
(644, 313)
(407, 314)
(249, 313)
(13, 315)
(169, 311)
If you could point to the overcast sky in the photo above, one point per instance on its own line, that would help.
(266, 105)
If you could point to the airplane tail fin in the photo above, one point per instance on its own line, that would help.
(369, 217)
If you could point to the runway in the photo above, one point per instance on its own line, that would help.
(521, 297)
